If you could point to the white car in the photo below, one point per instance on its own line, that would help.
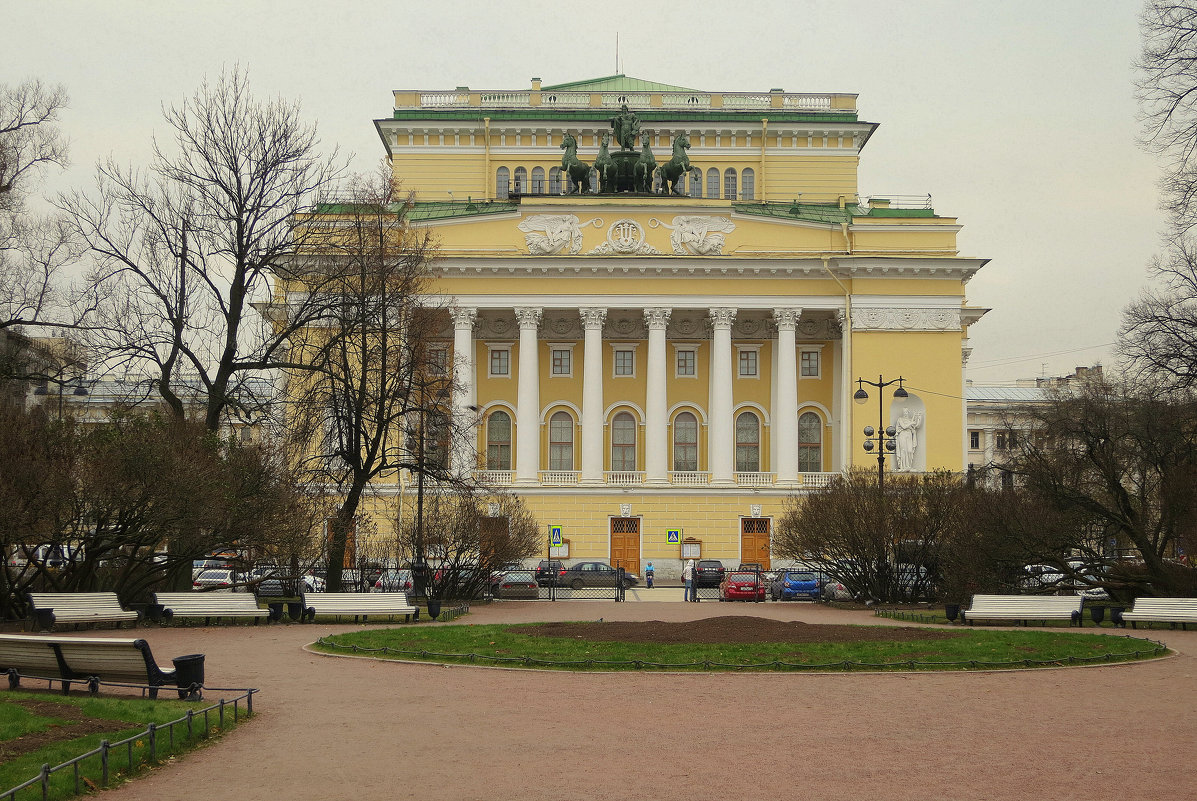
(218, 580)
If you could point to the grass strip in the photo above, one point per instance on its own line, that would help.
(505, 644)
(128, 716)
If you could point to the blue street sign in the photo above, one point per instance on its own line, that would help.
(673, 535)
(555, 535)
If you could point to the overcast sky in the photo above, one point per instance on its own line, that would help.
(1017, 117)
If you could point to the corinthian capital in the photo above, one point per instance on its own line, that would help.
(528, 316)
(786, 319)
(722, 318)
(657, 318)
(592, 317)
(463, 318)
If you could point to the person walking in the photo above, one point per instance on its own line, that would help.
(688, 579)
(648, 575)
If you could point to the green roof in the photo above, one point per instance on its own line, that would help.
(429, 209)
(824, 212)
(615, 83)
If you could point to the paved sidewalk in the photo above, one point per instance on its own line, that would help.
(332, 728)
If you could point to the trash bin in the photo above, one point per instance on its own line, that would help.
(276, 611)
(189, 676)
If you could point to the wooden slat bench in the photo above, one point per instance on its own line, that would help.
(1024, 608)
(210, 605)
(48, 608)
(90, 659)
(358, 604)
(1163, 610)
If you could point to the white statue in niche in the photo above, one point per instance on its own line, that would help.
(907, 439)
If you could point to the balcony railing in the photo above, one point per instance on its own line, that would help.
(558, 478)
(624, 478)
(816, 479)
(495, 478)
(689, 478)
(755, 479)
(697, 101)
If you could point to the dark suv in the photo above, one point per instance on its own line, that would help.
(549, 572)
(709, 573)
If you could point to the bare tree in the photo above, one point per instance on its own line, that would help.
(34, 247)
(186, 249)
(377, 402)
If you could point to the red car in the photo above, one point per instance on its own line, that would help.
(742, 585)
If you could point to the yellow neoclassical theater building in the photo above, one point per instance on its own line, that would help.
(659, 301)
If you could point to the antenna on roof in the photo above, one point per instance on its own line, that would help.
(617, 52)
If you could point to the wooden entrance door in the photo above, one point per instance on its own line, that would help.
(754, 540)
(625, 543)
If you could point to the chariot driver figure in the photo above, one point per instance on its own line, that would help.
(627, 128)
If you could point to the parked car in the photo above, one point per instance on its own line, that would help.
(394, 581)
(709, 573)
(200, 565)
(833, 590)
(791, 584)
(1040, 578)
(219, 579)
(742, 585)
(757, 566)
(594, 574)
(549, 571)
(517, 584)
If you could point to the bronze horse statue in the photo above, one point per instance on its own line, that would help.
(572, 166)
(642, 171)
(673, 170)
(604, 165)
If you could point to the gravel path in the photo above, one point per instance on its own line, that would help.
(343, 728)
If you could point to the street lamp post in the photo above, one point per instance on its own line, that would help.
(883, 437)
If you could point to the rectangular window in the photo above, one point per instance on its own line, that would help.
(561, 363)
(438, 361)
(500, 362)
(974, 440)
(625, 362)
(748, 363)
(810, 364)
(686, 365)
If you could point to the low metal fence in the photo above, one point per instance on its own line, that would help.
(144, 746)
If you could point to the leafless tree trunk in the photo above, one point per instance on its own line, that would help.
(187, 248)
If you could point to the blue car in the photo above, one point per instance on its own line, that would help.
(791, 584)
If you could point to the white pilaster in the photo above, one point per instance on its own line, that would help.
(527, 412)
(785, 418)
(592, 395)
(656, 407)
(721, 437)
(465, 442)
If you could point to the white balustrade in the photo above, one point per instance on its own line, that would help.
(624, 478)
(558, 478)
(689, 478)
(755, 479)
(816, 479)
(495, 478)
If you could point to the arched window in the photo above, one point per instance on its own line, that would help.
(538, 180)
(555, 181)
(696, 182)
(747, 184)
(729, 183)
(498, 441)
(502, 183)
(748, 443)
(712, 182)
(685, 442)
(561, 441)
(521, 181)
(810, 443)
(623, 442)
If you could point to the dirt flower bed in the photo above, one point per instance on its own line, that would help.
(729, 629)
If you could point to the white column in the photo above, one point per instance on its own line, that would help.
(784, 442)
(527, 411)
(656, 407)
(465, 440)
(592, 395)
(721, 437)
(847, 380)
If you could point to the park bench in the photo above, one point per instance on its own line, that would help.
(1163, 610)
(210, 605)
(357, 604)
(1024, 608)
(48, 608)
(93, 659)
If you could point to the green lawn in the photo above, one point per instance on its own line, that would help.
(968, 649)
(116, 719)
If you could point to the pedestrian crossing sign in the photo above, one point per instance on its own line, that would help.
(673, 536)
(555, 536)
